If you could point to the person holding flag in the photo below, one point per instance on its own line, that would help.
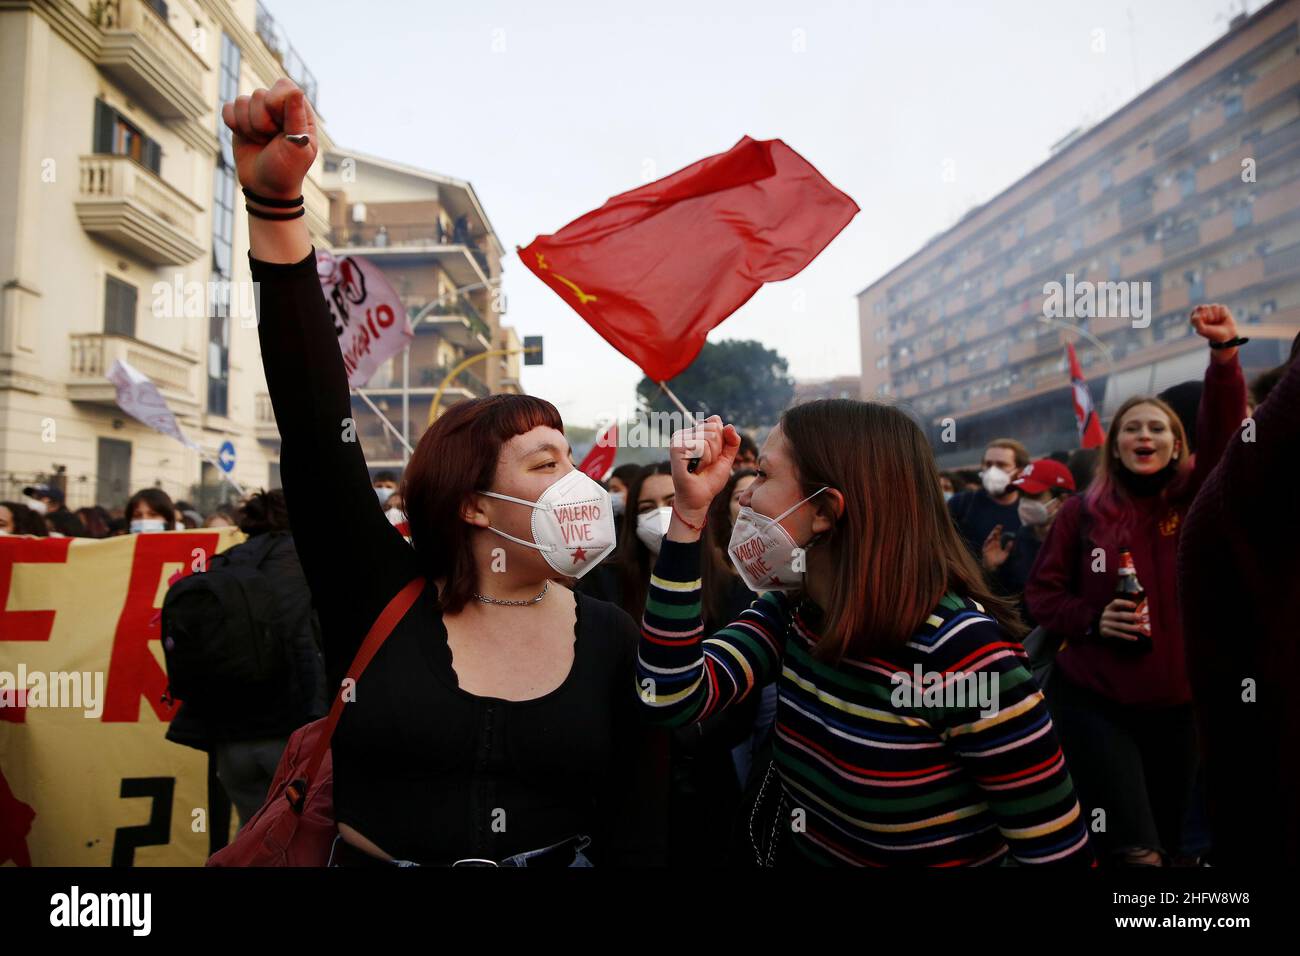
(492, 726)
(868, 597)
(1119, 689)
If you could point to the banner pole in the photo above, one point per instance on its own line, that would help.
(384, 420)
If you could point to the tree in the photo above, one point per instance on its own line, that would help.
(742, 381)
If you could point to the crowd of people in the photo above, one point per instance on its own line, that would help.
(41, 511)
(820, 651)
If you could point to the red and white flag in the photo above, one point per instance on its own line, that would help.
(369, 318)
(1090, 433)
(599, 462)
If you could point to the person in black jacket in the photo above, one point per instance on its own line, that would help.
(977, 512)
(246, 734)
(497, 722)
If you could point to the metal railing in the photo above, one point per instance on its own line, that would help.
(384, 235)
(273, 35)
(434, 374)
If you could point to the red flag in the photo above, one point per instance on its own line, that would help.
(1090, 433)
(599, 462)
(654, 269)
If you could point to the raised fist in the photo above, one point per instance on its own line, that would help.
(1214, 322)
(267, 161)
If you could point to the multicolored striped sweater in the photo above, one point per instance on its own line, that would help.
(886, 773)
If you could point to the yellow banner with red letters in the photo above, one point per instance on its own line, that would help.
(86, 776)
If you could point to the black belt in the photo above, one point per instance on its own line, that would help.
(560, 855)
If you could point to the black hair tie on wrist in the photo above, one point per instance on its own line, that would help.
(258, 214)
(273, 203)
(1230, 344)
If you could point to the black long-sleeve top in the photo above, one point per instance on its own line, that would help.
(422, 768)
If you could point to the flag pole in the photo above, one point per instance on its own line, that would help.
(676, 401)
(220, 471)
(688, 420)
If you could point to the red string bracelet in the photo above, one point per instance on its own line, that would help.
(693, 527)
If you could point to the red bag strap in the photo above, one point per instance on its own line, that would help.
(393, 612)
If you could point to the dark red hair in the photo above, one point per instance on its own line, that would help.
(455, 458)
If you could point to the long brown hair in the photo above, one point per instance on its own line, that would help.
(632, 560)
(894, 551)
(1107, 499)
(455, 458)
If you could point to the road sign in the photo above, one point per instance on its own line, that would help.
(226, 457)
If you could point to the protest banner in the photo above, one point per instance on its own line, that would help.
(86, 776)
(368, 315)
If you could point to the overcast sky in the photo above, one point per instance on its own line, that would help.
(548, 109)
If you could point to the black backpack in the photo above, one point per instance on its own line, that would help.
(220, 628)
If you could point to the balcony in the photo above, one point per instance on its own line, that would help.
(264, 419)
(465, 380)
(149, 60)
(458, 253)
(460, 323)
(124, 204)
(93, 354)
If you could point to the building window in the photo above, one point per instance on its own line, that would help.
(1243, 214)
(223, 235)
(1186, 182)
(119, 307)
(1232, 106)
(115, 136)
(1105, 178)
(113, 471)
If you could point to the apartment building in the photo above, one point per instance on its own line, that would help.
(123, 236)
(432, 239)
(121, 230)
(1188, 194)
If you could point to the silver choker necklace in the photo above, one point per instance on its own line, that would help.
(524, 603)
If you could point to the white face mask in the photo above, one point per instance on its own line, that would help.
(383, 494)
(947, 496)
(35, 504)
(651, 526)
(573, 524)
(395, 516)
(617, 501)
(148, 524)
(1033, 513)
(763, 551)
(995, 480)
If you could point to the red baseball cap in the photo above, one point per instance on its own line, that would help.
(1042, 475)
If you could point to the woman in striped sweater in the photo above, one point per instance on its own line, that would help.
(909, 730)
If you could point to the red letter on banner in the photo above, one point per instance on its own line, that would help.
(133, 671)
(25, 625)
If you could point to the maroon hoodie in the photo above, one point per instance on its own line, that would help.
(1240, 564)
(1067, 596)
